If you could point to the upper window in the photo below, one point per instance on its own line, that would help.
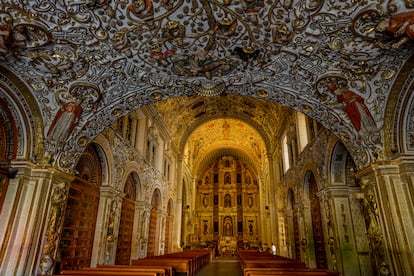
(302, 131)
(286, 163)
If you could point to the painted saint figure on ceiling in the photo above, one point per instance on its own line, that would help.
(64, 122)
(400, 26)
(354, 106)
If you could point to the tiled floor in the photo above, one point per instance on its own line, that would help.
(224, 266)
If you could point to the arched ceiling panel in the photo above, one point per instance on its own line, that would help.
(111, 57)
(183, 115)
(212, 156)
(224, 134)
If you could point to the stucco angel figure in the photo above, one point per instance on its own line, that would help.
(400, 26)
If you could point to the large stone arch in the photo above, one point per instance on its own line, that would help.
(246, 119)
(26, 114)
(364, 152)
(397, 111)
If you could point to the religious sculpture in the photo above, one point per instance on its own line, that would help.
(226, 26)
(251, 9)
(142, 9)
(227, 178)
(227, 201)
(246, 54)
(205, 62)
(65, 120)
(58, 202)
(401, 26)
(157, 55)
(5, 32)
(354, 106)
(281, 33)
(122, 43)
(173, 30)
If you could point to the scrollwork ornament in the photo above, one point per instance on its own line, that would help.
(409, 4)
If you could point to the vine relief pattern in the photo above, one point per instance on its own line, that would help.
(322, 58)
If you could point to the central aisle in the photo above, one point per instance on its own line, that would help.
(222, 266)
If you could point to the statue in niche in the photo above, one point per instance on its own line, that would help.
(57, 202)
(227, 201)
(250, 201)
(206, 181)
(251, 228)
(205, 228)
(371, 212)
(228, 229)
(227, 178)
(205, 201)
(111, 221)
(248, 181)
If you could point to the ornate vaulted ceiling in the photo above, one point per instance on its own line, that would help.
(113, 56)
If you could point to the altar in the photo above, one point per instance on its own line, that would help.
(227, 245)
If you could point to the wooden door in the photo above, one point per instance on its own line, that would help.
(126, 224)
(79, 222)
(167, 229)
(320, 253)
(79, 226)
(296, 234)
(153, 233)
(123, 249)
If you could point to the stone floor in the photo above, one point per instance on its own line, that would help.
(222, 266)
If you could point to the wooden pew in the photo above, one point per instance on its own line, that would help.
(179, 265)
(184, 263)
(161, 271)
(106, 273)
(254, 263)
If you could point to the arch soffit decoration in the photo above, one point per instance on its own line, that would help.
(337, 166)
(132, 168)
(211, 157)
(158, 197)
(290, 199)
(232, 136)
(105, 154)
(26, 113)
(396, 110)
(308, 172)
(133, 86)
(8, 147)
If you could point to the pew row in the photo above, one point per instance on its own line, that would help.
(107, 273)
(254, 263)
(183, 263)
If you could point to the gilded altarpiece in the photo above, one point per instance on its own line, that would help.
(228, 206)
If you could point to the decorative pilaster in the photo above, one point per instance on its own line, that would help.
(54, 224)
(386, 200)
(56, 212)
